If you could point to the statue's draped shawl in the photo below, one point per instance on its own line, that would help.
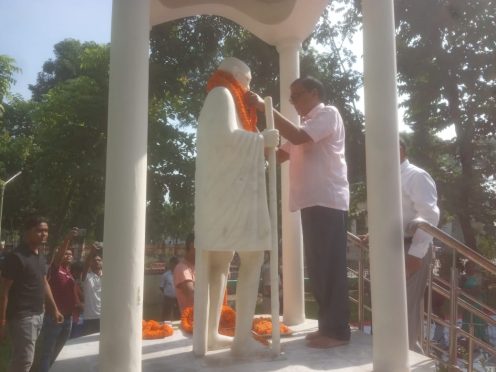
(231, 212)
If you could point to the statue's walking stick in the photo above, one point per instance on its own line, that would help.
(274, 253)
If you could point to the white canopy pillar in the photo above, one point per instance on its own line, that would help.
(292, 241)
(387, 265)
(125, 190)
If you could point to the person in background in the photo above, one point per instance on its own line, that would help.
(170, 309)
(184, 275)
(24, 292)
(77, 314)
(54, 335)
(418, 200)
(92, 288)
(265, 284)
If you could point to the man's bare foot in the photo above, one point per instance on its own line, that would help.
(218, 341)
(324, 342)
(312, 335)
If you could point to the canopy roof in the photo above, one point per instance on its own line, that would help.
(273, 21)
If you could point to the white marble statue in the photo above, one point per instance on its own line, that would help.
(231, 212)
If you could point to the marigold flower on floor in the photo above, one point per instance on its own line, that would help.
(261, 326)
(227, 320)
(155, 330)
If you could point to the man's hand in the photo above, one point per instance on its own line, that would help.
(364, 238)
(58, 317)
(256, 101)
(93, 250)
(271, 137)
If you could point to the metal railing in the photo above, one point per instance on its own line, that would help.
(447, 289)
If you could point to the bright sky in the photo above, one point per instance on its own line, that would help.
(30, 29)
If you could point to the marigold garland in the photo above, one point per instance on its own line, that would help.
(226, 324)
(187, 320)
(247, 113)
(263, 326)
(154, 330)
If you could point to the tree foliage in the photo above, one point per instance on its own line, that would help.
(171, 174)
(63, 130)
(63, 127)
(446, 53)
(7, 71)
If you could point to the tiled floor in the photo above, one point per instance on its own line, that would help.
(175, 354)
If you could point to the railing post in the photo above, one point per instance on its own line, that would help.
(471, 344)
(422, 322)
(429, 305)
(360, 291)
(453, 313)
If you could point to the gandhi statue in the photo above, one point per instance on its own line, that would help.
(231, 212)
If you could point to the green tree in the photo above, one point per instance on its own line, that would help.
(171, 173)
(7, 71)
(69, 161)
(71, 120)
(446, 53)
(16, 142)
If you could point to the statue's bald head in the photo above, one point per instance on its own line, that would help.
(238, 69)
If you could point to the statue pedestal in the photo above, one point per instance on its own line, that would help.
(175, 353)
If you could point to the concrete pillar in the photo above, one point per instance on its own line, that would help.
(125, 189)
(387, 265)
(292, 240)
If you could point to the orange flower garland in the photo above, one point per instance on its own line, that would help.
(226, 324)
(247, 114)
(154, 330)
(227, 321)
(263, 326)
(187, 320)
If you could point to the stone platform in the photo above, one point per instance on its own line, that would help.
(175, 354)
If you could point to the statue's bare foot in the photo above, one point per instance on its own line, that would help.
(249, 348)
(218, 341)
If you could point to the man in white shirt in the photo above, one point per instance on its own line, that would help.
(319, 190)
(419, 200)
(92, 288)
(170, 308)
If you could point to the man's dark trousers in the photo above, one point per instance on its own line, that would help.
(324, 238)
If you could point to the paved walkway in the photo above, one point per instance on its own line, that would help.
(175, 354)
